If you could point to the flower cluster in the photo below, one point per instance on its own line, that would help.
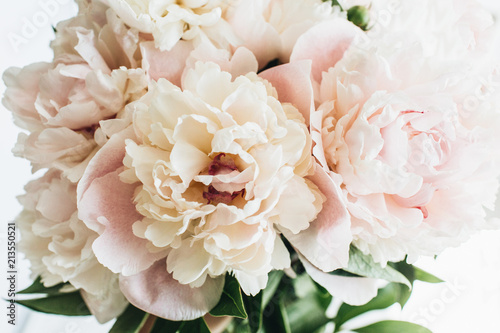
(190, 141)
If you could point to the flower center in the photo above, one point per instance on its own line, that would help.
(221, 165)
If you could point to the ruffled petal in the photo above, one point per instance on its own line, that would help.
(350, 290)
(293, 84)
(325, 44)
(326, 242)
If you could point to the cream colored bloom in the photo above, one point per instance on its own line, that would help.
(59, 245)
(221, 166)
(170, 21)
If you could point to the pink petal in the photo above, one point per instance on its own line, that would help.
(293, 84)
(105, 204)
(107, 160)
(109, 202)
(156, 292)
(325, 44)
(166, 64)
(350, 290)
(326, 242)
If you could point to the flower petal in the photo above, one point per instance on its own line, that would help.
(350, 290)
(293, 84)
(325, 44)
(326, 242)
(155, 291)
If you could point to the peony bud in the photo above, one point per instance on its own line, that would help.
(359, 15)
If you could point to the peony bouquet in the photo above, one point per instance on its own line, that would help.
(253, 165)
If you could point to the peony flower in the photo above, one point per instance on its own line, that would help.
(270, 28)
(170, 21)
(214, 173)
(62, 103)
(59, 245)
(418, 173)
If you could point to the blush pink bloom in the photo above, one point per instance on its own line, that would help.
(59, 245)
(418, 166)
(61, 104)
(205, 183)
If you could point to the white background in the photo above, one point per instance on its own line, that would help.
(468, 302)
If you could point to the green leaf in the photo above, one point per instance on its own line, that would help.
(392, 326)
(37, 287)
(70, 304)
(231, 301)
(422, 275)
(308, 313)
(194, 326)
(277, 321)
(272, 284)
(165, 326)
(253, 307)
(303, 285)
(130, 321)
(364, 265)
(385, 298)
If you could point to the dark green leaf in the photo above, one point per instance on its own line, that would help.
(231, 302)
(165, 326)
(195, 326)
(341, 272)
(422, 275)
(37, 287)
(393, 326)
(364, 265)
(272, 284)
(130, 321)
(253, 307)
(70, 304)
(277, 321)
(308, 313)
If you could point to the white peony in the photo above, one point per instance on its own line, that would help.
(215, 173)
(218, 198)
(170, 21)
(59, 245)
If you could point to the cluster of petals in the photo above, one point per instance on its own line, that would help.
(212, 175)
(191, 139)
(59, 245)
(419, 167)
(62, 103)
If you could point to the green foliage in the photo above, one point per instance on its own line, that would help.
(130, 321)
(231, 302)
(359, 15)
(68, 304)
(392, 326)
(37, 287)
(364, 265)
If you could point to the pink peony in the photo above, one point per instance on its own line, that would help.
(61, 104)
(417, 171)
